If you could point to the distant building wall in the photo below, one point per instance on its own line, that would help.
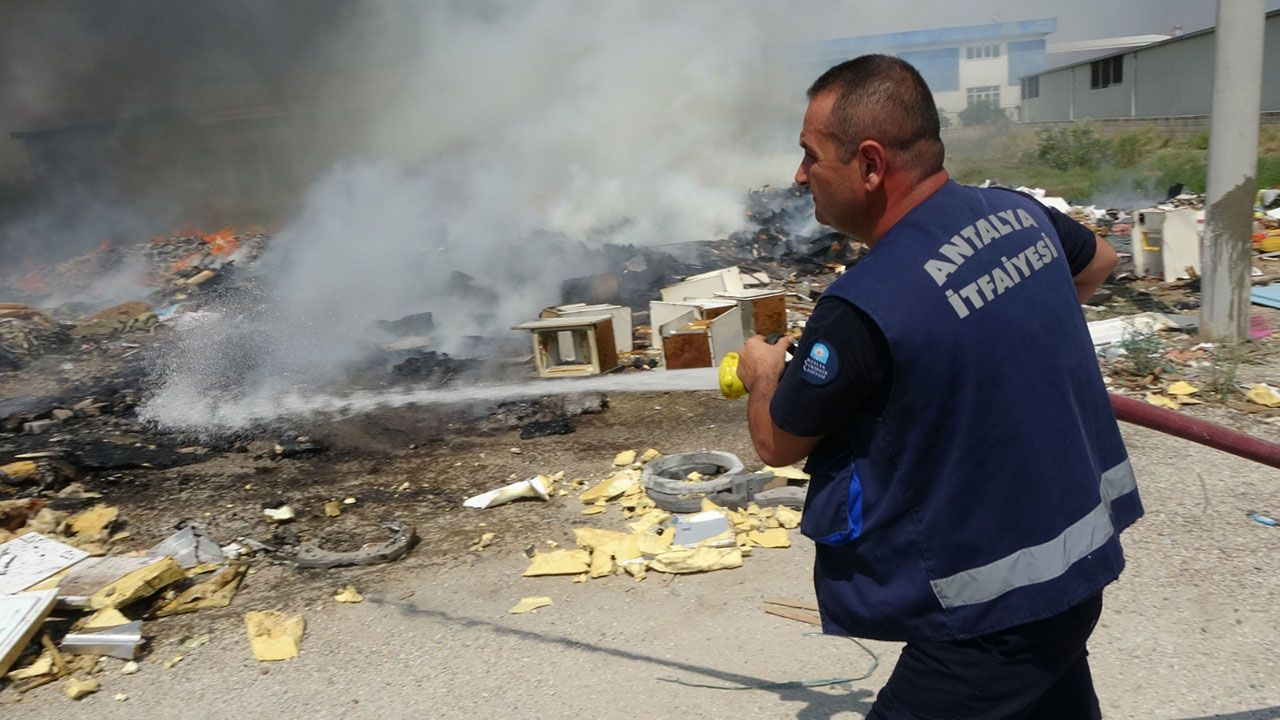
(1169, 79)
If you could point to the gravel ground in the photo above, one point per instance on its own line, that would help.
(1188, 632)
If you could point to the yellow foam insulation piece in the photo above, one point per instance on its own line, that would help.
(593, 538)
(776, 538)
(1264, 395)
(626, 457)
(348, 594)
(559, 562)
(1162, 401)
(274, 635)
(787, 517)
(105, 618)
(93, 521)
(138, 584)
(790, 472)
(1182, 387)
(611, 487)
(650, 455)
(602, 561)
(703, 559)
(529, 603)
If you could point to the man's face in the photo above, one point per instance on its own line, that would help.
(835, 184)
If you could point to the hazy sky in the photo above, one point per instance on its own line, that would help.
(1077, 19)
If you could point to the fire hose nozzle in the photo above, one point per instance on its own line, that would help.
(730, 384)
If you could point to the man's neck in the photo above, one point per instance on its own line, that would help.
(903, 201)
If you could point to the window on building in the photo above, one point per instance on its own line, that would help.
(989, 94)
(981, 52)
(1105, 73)
(1031, 87)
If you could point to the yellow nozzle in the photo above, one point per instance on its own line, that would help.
(730, 386)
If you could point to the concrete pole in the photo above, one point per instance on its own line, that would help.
(1233, 169)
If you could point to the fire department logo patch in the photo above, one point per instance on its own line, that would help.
(821, 366)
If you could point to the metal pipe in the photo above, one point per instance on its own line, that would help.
(1216, 436)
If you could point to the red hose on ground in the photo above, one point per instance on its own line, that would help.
(1189, 428)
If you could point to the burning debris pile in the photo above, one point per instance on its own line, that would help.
(787, 236)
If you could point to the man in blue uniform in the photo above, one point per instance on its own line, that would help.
(969, 481)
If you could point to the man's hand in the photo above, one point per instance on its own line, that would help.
(759, 361)
(760, 366)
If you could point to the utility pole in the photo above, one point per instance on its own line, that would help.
(1233, 171)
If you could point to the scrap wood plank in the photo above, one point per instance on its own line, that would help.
(793, 614)
(788, 602)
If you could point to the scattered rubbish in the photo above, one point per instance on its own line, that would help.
(274, 635)
(76, 689)
(32, 557)
(333, 508)
(189, 547)
(299, 446)
(650, 455)
(116, 581)
(281, 514)
(783, 498)
(539, 487)
(626, 457)
(1162, 401)
(1267, 295)
(1264, 520)
(171, 662)
(120, 697)
(705, 528)
(348, 594)
(312, 556)
(528, 604)
(119, 642)
(216, 591)
(558, 562)
(194, 642)
(107, 617)
(20, 619)
(485, 540)
(130, 668)
(1108, 332)
(1258, 328)
(1183, 388)
(1265, 395)
(590, 348)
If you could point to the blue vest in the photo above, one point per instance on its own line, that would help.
(993, 489)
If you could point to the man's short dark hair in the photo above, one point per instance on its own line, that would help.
(884, 99)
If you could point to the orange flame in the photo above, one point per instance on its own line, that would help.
(222, 242)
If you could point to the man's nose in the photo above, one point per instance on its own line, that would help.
(802, 175)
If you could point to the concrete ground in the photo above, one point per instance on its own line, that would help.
(1190, 631)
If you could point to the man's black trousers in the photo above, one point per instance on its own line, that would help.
(1037, 671)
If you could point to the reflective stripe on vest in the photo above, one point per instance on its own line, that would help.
(1043, 562)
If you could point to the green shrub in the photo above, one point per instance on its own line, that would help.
(1131, 148)
(1070, 146)
(982, 113)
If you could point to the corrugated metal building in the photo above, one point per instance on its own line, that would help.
(1173, 78)
(963, 65)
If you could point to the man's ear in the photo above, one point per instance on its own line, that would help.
(871, 158)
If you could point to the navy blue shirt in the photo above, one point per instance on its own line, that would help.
(863, 377)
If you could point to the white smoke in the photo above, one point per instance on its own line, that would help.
(512, 134)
